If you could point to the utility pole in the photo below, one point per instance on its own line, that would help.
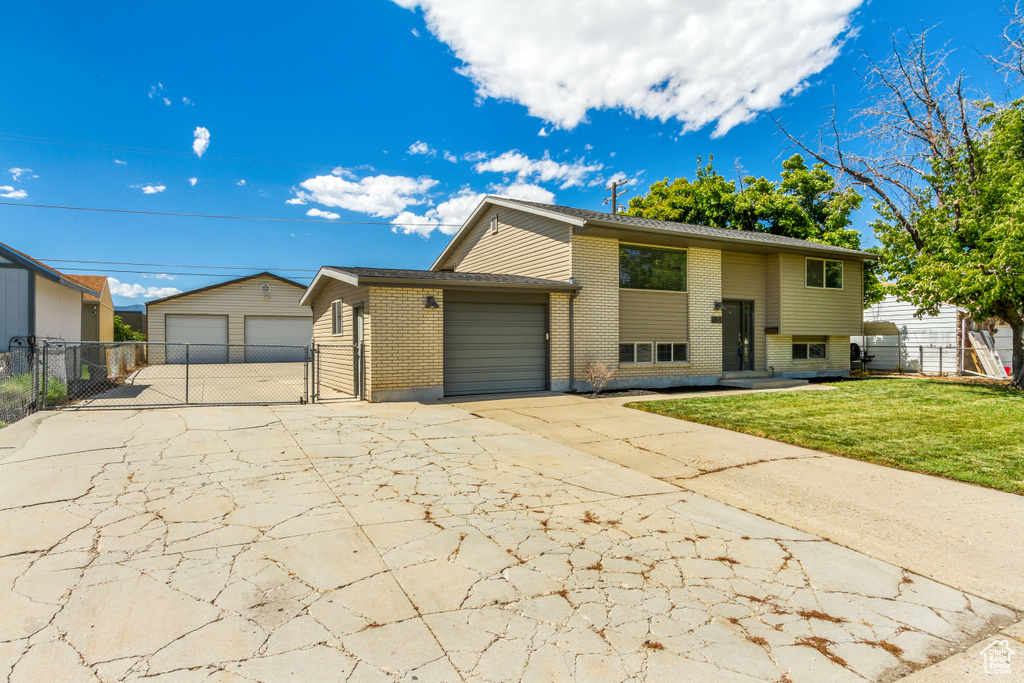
(615, 194)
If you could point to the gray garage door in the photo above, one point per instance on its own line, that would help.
(208, 333)
(278, 337)
(494, 348)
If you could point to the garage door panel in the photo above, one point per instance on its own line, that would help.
(276, 339)
(494, 348)
(205, 335)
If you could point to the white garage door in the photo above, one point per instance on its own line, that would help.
(273, 333)
(208, 332)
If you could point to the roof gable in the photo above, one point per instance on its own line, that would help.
(585, 219)
(236, 281)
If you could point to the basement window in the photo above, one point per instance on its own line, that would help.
(810, 351)
(651, 352)
(671, 352)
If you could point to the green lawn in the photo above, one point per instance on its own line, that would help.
(969, 432)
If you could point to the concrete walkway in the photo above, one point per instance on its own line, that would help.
(962, 535)
(358, 542)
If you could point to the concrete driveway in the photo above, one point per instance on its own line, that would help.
(361, 542)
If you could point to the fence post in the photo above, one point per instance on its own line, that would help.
(940, 361)
(42, 386)
(305, 375)
(920, 359)
(186, 374)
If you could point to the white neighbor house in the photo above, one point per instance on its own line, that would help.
(921, 337)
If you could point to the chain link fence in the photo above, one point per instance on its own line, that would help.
(338, 371)
(924, 360)
(146, 374)
(19, 385)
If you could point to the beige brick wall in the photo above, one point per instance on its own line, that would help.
(596, 269)
(404, 344)
(558, 324)
(780, 356)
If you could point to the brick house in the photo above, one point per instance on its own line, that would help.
(526, 295)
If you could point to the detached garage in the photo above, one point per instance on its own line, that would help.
(254, 319)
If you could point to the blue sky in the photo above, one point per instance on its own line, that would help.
(398, 112)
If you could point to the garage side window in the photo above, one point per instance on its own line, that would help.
(337, 322)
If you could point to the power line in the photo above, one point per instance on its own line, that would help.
(155, 272)
(173, 265)
(234, 218)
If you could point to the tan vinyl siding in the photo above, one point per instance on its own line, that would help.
(525, 244)
(58, 311)
(337, 361)
(773, 311)
(648, 315)
(235, 301)
(819, 310)
(744, 278)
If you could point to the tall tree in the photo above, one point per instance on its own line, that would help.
(805, 203)
(947, 179)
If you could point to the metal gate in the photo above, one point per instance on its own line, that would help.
(145, 374)
(339, 372)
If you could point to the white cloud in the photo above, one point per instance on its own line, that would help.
(381, 195)
(187, 102)
(588, 147)
(164, 276)
(419, 147)
(241, 183)
(616, 178)
(149, 189)
(131, 291)
(415, 32)
(193, 181)
(544, 170)
(166, 100)
(201, 141)
(448, 156)
(16, 173)
(8, 192)
(696, 62)
(543, 132)
(329, 215)
(474, 156)
(120, 163)
(449, 215)
(156, 90)
(301, 199)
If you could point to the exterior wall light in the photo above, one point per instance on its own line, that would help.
(718, 305)
(431, 303)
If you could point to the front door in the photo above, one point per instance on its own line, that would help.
(737, 336)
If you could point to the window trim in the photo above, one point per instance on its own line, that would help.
(337, 318)
(824, 273)
(686, 274)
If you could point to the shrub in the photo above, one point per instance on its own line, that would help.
(598, 374)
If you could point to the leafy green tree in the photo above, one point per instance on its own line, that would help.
(124, 333)
(968, 248)
(805, 203)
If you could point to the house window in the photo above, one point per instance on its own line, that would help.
(652, 268)
(810, 351)
(337, 322)
(651, 352)
(669, 352)
(824, 273)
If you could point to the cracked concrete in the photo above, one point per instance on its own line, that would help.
(362, 542)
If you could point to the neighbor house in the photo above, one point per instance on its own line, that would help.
(527, 295)
(911, 342)
(97, 308)
(261, 309)
(37, 301)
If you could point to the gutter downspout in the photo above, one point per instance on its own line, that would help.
(572, 343)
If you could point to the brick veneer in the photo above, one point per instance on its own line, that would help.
(404, 344)
(779, 355)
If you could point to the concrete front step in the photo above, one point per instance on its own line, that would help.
(761, 383)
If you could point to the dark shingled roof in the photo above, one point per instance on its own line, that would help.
(612, 219)
(445, 276)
